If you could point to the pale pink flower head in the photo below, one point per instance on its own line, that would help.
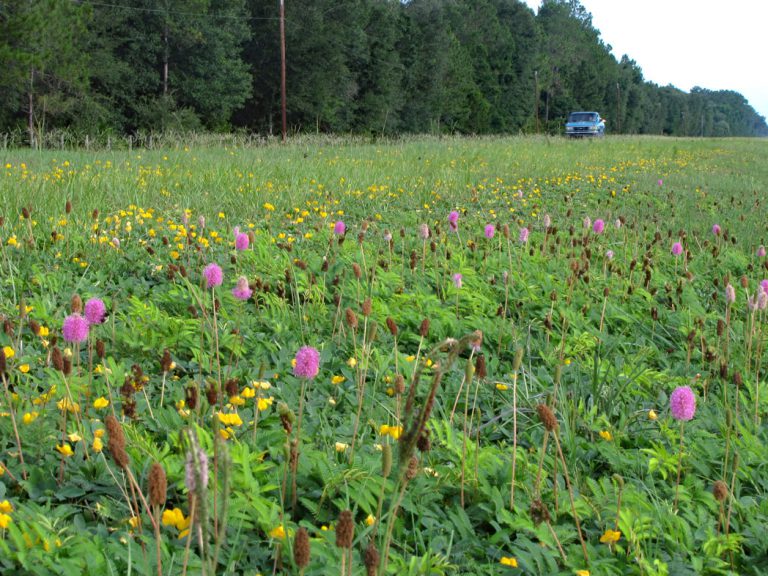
(213, 275)
(682, 403)
(660, 182)
(424, 231)
(547, 221)
(730, 294)
(716, 229)
(75, 328)
(677, 249)
(762, 299)
(95, 310)
(453, 220)
(523, 238)
(490, 231)
(115, 242)
(764, 286)
(457, 278)
(307, 362)
(587, 222)
(242, 291)
(201, 222)
(387, 236)
(609, 254)
(617, 223)
(184, 218)
(242, 241)
(761, 252)
(598, 226)
(339, 228)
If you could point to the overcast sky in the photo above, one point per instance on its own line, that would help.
(686, 43)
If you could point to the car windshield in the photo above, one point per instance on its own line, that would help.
(582, 117)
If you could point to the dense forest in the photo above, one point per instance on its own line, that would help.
(360, 66)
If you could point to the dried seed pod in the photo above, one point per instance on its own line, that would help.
(356, 270)
(392, 326)
(301, 548)
(399, 384)
(57, 359)
(25, 213)
(116, 441)
(67, 366)
(232, 387)
(720, 490)
(371, 559)
(351, 318)
(480, 368)
(76, 304)
(165, 361)
(3, 365)
(413, 468)
(424, 329)
(539, 512)
(211, 394)
(386, 460)
(158, 485)
(547, 417)
(345, 530)
(190, 396)
(100, 350)
(68, 207)
(367, 306)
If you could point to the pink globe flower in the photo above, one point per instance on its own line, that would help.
(609, 254)
(453, 221)
(242, 291)
(761, 252)
(307, 362)
(213, 275)
(242, 241)
(339, 228)
(716, 229)
(95, 310)
(660, 182)
(424, 231)
(730, 294)
(677, 249)
(587, 222)
(682, 403)
(617, 223)
(457, 278)
(75, 328)
(523, 238)
(490, 231)
(547, 221)
(598, 226)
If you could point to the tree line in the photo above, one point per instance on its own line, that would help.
(360, 66)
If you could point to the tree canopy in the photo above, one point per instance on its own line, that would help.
(363, 66)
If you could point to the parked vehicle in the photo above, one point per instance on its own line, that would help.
(584, 124)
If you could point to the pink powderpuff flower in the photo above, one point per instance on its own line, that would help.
(764, 286)
(677, 249)
(213, 275)
(242, 241)
(660, 182)
(730, 294)
(598, 226)
(339, 228)
(307, 362)
(457, 280)
(761, 252)
(587, 222)
(95, 310)
(617, 223)
(242, 291)
(716, 229)
(523, 238)
(609, 254)
(682, 403)
(387, 236)
(453, 221)
(75, 328)
(490, 231)
(424, 231)
(547, 221)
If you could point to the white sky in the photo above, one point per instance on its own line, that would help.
(712, 44)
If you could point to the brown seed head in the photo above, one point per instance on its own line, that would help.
(399, 384)
(547, 417)
(232, 387)
(57, 359)
(386, 460)
(413, 468)
(720, 490)
(301, 548)
(25, 213)
(539, 512)
(392, 326)
(367, 306)
(351, 318)
(68, 207)
(67, 367)
(737, 379)
(3, 365)
(158, 485)
(165, 361)
(356, 270)
(345, 530)
(424, 329)
(371, 559)
(190, 395)
(744, 281)
(480, 369)
(76, 304)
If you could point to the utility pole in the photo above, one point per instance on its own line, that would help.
(536, 97)
(618, 108)
(282, 67)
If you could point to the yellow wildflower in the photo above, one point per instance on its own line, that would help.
(277, 532)
(248, 393)
(341, 446)
(370, 520)
(9, 353)
(606, 435)
(264, 403)
(582, 572)
(98, 444)
(30, 417)
(501, 386)
(5, 520)
(100, 403)
(236, 400)
(134, 522)
(338, 379)
(65, 449)
(6, 507)
(652, 415)
(352, 362)
(610, 536)
(232, 419)
(74, 437)
(508, 561)
(24, 368)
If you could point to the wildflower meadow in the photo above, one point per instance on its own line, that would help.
(422, 356)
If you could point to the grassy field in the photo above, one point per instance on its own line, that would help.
(499, 324)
